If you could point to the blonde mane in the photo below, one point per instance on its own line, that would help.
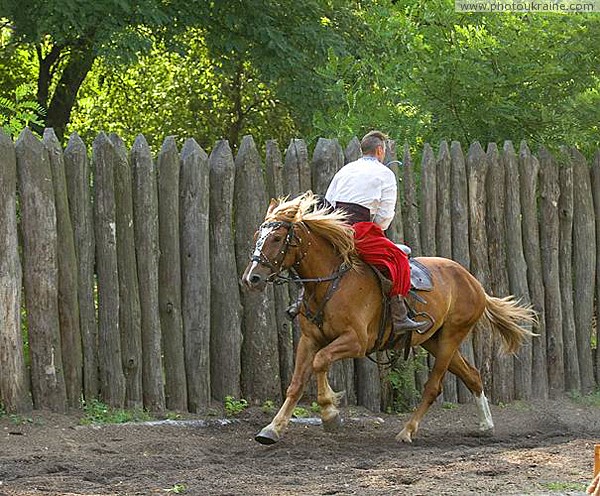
(331, 225)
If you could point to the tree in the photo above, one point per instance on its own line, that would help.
(283, 42)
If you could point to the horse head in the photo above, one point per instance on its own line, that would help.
(275, 249)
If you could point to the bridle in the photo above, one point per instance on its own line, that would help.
(275, 265)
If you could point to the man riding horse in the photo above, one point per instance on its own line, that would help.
(367, 190)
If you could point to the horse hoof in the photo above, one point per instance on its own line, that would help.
(404, 437)
(334, 424)
(267, 436)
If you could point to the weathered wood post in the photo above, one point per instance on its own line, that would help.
(169, 276)
(78, 178)
(477, 171)
(459, 216)
(516, 266)
(14, 379)
(40, 272)
(68, 305)
(352, 151)
(145, 221)
(296, 159)
(565, 260)
(260, 357)
(549, 230)
(596, 192)
(328, 158)
(129, 294)
(443, 235)
(225, 306)
(428, 202)
(194, 229)
(528, 181)
(395, 231)
(502, 365)
(410, 205)
(584, 266)
(112, 379)
(285, 340)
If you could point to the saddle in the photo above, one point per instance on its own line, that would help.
(420, 280)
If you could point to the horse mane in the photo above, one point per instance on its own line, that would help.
(329, 224)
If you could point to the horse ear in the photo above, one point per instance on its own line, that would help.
(272, 205)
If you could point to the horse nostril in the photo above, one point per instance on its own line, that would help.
(255, 278)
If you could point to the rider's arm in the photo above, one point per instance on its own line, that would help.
(385, 212)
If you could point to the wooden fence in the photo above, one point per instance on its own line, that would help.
(130, 267)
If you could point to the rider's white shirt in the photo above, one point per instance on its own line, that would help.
(369, 183)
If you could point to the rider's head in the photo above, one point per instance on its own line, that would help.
(373, 144)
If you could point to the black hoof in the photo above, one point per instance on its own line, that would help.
(267, 436)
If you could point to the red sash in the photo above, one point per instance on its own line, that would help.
(375, 249)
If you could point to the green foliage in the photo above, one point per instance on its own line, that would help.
(178, 488)
(300, 412)
(427, 72)
(97, 412)
(234, 407)
(564, 486)
(268, 406)
(591, 399)
(18, 112)
(20, 419)
(314, 407)
(402, 380)
(2, 411)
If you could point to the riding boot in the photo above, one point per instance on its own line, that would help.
(401, 323)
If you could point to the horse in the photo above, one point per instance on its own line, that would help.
(342, 310)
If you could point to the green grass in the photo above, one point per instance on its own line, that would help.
(233, 406)
(96, 412)
(592, 399)
(564, 486)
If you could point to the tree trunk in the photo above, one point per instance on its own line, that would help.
(78, 177)
(528, 180)
(285, 340)
(169, 276)
(516, 266)
(145, 222)
(477, 171)
(40, 271)
(68, 305)
(459, 215)
(14, 379)
(549, 230)
(428, 202)
(194, 201)
(260, 357)
(565, 260)
(502, 365)
(129, 293)
(225, 306)
(112, 379)
(584, 266)
(596, 192)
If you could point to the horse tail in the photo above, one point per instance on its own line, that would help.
(508, 317)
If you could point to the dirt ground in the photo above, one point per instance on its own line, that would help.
(538, 448)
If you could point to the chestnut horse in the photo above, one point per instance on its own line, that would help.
(342, 309)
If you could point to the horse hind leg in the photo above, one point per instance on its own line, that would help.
(472, 379)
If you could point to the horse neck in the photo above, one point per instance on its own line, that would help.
(320, 258)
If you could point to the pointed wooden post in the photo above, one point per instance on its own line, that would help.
(68, 305)
(225, 306)
(428, 202)
(169, 276)
(194, 229)
(260, 357)
(78, 179)
(145, 222)
(14, 378)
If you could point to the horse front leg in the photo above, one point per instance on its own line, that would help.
(345, 346)
(302, 369)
